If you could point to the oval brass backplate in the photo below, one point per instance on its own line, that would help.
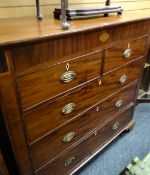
(68, 108)
(68, 137)
(115, 126)
(104, 36)
(69, 161)
(123, 79)
(119, 103)
(127, 53)
(68, 76)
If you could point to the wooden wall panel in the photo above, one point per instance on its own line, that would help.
(19, 8)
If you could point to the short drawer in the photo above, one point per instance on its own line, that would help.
(124, 53)
(71, 159)
(121, 77)
(37, 87)
(77, 129)
(47, 118)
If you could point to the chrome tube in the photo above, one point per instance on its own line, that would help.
(38, 13)
(66, 4)
(63, 17)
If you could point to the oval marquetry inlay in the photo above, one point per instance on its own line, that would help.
(104, 36)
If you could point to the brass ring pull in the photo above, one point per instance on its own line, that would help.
(69, 161)
(123, 79)
(119, 103)
(68, 108)
(68, 76)
(127, 53)
(68, 137)
(115, 126)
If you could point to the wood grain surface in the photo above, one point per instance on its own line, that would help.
(25, 30)
(109, 85)
(88, 146)
(13, 120)
(114, 56)
(43, 120)
(39, 86)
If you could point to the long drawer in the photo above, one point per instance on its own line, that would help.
(70, 160)
(80, 127)
(39, 86)
(46, 118)
(124, 53)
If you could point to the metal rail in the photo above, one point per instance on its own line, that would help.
(65, 13)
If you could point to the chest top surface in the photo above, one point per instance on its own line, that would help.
(22, 30)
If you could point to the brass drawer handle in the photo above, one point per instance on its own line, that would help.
(115, 126)
(68, 137)
(69, 161)
(68, 76)
(127, 53)
(119, 103)
(123, 79)
(68, 108)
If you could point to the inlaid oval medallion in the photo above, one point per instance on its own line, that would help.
(104, 36)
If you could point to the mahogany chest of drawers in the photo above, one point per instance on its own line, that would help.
(65, 95)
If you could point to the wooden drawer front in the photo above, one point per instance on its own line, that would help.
(47, 118)
(70, 160)
(125, 74)
(121, 77)
(124, 53)
(32, 56)
(37, 87)
(81, 126)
